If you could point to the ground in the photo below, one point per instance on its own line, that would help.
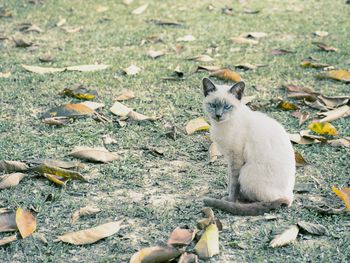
(156, 193)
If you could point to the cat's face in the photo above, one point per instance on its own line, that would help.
(221, 101)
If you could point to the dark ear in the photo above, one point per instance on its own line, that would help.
(237, 89)
(208, 86)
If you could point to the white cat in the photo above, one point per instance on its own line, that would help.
(261, 163)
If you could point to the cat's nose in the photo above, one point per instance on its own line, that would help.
(218, 116)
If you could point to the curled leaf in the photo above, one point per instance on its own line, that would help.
(58, 172)
(342, 112)
(13, 166)
(226, 74)
(323, 128)
(182, 237)
(25, 222)
(84, 211)
(344, 195)
(91, 235)
(9, 180)
(343, 142)
(208, 245)
(198, 124)
(299, 159)
(314, 229)
(98, 154)
(287, 237)
(310, 64)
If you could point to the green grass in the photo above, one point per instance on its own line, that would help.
(157, 194)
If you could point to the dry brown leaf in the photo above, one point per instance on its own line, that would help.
(126, 95)
(155, 54)
(243, 40)
(344, 195)
(181, 237)
(7, 221)
(324, 128)
(61, 22)
(214, 152)
(92, 105)
(343, 142)
(84, 211)
(302, 96)
(301, 116)
(187, 38)
(29, 27)
(294, 88)
(285, 105)
(132, 70)
(332, 102)
(198, 124)
(342, 112)
(325, 47)
(88, 68)
(255, 35)
(46, 58)
(97, 154)
(339, 75)
(58, 121)
(20, 42)
(314, 229)
(10, 180)
(246, 66)
(299, 159)
(26, 222)
(101, 9)
(42, 70)
(287, 237)
(120, 109)
(202, 58)
(5, 75)
(208, 245)
(57, 163)
(226, 74)
(127, 2)
(316, 105)
(12, 166)
(297, 138)
(155, 255)
(208, 68)
(68, 110)
(140, 10)
(72, 30)
(140, 117)
(321, 33)
(91, 235)
(277, 52)
(306, 134)
(7, 240)
(188, 258)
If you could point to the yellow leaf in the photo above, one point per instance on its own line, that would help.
(226, 74)
(309, 64)
(91, 235)
(286, 237)
(198, 124)
(340, 75)
(80, 93)
(285, 105)
(58, 172)
(61, 181)
(208, 245)
(155, 255)
(9, 180)
(26, 222)
(323, 128)
(344, 195)
(299, 159)
(68, 110)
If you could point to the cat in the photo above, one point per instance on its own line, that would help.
(260, 156)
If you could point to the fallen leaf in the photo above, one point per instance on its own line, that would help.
(202, 58)
(246, 66)
(57, 163)
(127, 2)
(176, 75)
(294, 88)
(155, 255)
(181, 237)
(214, 152)
(325, 210)
(102, 9)
(306, 134)
(42, 70)
(7, 221)
(61, 22)
(120, 109)
(287, 237)
(5, 75)
(302, 96)
(208, 245)
(255, 35)
(10, 180)
(155, 54)
(198, 124)
(68, 110)
(323, 128)
(333, 102)
(285, 105)
(13, 166)
(208, 68)
(97, 154)
(126, 95)
(58, 121)
(4, 12)
(344, 195)
(343, 142)
(132, 70)
(187, 38)
(25, 222)
(325, 47)
(227, 10)
(250, 11)
(164, 23)
(140, 10)
(92, 105)
(299, 159)
(188, 258)
(84, 211)
(71, 30)
(243, 40)
(46, 58)
(91, 235)
(277, 52)
(301, 116)
(88, 68)
(226, 74)
(79, 93)
(310, 64)
(7, 240)
(314, 229)
(316, 105)
(297, 138)
(29, 27)
(321, 33)
(56, 174)
(20, 42)
(342, 112)
(107, 139)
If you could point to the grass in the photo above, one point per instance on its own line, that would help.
(155, 194)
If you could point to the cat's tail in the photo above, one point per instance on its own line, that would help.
(246, 209)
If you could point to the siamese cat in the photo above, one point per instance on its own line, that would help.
(261, 163)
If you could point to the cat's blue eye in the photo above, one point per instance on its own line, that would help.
(227, 107)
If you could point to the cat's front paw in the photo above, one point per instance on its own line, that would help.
(228, 198)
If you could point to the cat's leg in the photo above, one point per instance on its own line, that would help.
(233, 183)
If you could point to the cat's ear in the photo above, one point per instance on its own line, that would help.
(208, 86)
(237, 89)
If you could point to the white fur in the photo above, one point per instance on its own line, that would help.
(260, 144)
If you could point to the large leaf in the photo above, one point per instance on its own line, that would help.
(344, 195)
(208, 245)
(340, 75)
(155, 255)
(287, 237)
(69, 110)
(182, 237)
(97, 154)
(198, 124)
(226, 74)
(60, 173)
(13, 166)
(7, 221)
(26, 222)
(323, 128)
(42, 70)
(91, 235)
(342, 112)
(9, 180)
